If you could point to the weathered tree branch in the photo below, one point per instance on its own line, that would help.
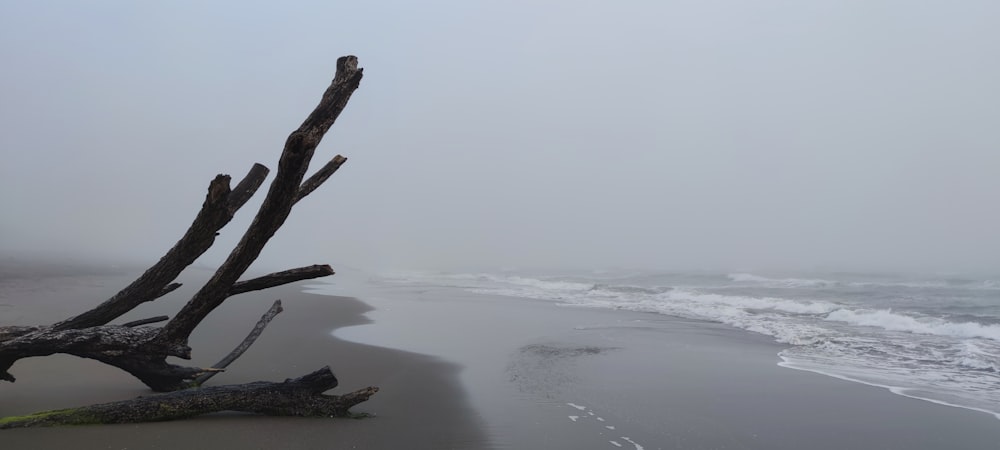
(220, 205)
(142, 351)
(302, 397)
(279, 278)
(133, 349)
(320, 177)
(107, 340)
(136, 323)
(244, 346)
(292, 166)
(7, 333)
(246, 188)
(167, 289)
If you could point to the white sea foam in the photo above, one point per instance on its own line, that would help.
(777, 304)
(544, 284)
(782, 282)
(751, 279)
(831, 371)
(509, 285)
(634, 444)
(927, 284)
(975, 356)
(888, 320)
(917, 354)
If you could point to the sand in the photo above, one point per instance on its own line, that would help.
(426, 406)
(468, 371)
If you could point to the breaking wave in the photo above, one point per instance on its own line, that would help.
(888, 320)
(757, 280)
(782, 282)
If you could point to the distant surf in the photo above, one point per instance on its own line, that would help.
(936, 339)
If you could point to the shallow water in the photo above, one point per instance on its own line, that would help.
(935, 338)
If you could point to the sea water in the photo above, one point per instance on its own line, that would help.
(935, 338)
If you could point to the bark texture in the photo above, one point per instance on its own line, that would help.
(301, 397)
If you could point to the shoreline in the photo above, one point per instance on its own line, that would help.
(662, 381)
(892, 389)
(475, 371)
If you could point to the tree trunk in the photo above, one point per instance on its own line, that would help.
(301, 397)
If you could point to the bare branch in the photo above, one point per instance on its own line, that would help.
(218, 209)
(135, 350)
(12, 332)
(168, 289)
(345, 82)
(136, 323)
(142, 351)
(292, 166)
(93, 342)
(280, 278)
(320, 177)
(244, 346)
(247, 187)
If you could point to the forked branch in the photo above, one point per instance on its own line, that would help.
(142, 350)
(220, 205)
(281, 196)
(279, 278)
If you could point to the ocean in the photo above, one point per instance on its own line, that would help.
(934, 338)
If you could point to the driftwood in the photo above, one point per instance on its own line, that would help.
(302, 397)
(141, 350)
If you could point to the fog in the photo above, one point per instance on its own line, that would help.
(843, 135)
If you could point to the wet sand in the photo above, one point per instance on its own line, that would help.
(542, 375)
(467, 371)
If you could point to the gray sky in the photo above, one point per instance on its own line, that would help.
(664, 134)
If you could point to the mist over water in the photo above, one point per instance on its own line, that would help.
(724, 135)
(770, 165)
(823, 173)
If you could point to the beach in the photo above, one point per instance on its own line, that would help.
(472, 371)
(427, 407)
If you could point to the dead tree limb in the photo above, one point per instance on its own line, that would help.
(220, 205)
(168, 289)
(279, 278)
(8, 333)
(133, 349)
(142, 350)
(319, 177)
(281, 196)
(302, 397)
(244, 346)
(148, 321)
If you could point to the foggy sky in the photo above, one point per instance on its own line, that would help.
(696, 134)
